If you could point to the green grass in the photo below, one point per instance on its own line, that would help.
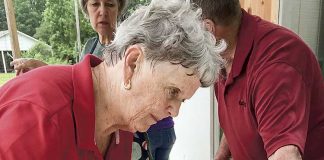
(4, 77)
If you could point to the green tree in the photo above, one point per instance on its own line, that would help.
(29, 15)
(43, 52)
(58, 29)
(3, 20)
(132, 6)
(39, 48)
(56, 26)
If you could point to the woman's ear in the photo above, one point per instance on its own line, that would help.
(133, 56)
(210, 25)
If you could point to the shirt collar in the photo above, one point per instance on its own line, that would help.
(83, 103)
(244, 43)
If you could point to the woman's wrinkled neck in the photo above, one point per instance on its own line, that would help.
(102, 95)
(105, 39)
(103, 113)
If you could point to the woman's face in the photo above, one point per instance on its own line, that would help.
(158, 93)
(103, 16)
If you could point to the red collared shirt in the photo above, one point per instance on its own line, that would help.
(48, 113)
(273, 95)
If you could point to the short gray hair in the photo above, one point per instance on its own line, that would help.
(122, 4)
(170, 31)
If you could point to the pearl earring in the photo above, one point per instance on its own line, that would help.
(128, 85)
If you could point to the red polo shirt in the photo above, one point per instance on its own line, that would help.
(48, 113)
(273, 96)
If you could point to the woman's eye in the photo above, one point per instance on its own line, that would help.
(109, 4)
(173, 92)
(95, 4)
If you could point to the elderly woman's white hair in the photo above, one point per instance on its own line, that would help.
(170, 30)
(122, 4)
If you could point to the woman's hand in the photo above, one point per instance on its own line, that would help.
(23, 65)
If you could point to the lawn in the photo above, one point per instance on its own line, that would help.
(4, 77)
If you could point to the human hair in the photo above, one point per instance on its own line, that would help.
(122, 4)
(169, 31)
(223, 12)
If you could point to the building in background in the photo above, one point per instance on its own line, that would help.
(26, 42)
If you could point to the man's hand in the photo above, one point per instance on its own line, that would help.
(223, 152)
(289, 152)
(22, 65)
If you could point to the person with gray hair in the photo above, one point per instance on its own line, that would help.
(160, 56)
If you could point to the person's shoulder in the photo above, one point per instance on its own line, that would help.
(47, 72)
(41, 81)
(63, 75)
(270, 35)
(274, 31)
(275, 44)
(88, 46)
(91, 41)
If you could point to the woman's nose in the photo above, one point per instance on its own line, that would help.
(103, 9)
(173, 109)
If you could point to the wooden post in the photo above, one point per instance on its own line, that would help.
(11, 20)
(246, 5)
(266, 9)
(4, 62)
(77, 25)
(275, 11)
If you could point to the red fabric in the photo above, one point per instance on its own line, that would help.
(48, 113)
(273, 96)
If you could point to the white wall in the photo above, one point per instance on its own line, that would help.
(25, 43)
(302, 17)
(5, 43)
(193, 128)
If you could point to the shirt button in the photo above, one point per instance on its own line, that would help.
(241, 102)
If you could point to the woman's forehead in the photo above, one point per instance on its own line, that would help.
(103, 1)
(175, 73)
(173, 69)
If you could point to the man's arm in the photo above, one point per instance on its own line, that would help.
(289, 152)
(223, 152)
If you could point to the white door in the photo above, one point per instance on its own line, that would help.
(195, 127)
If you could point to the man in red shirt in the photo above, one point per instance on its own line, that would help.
(270, 99)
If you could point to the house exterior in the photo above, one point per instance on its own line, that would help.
(26, 42)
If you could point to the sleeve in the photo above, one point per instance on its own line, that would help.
(26, 132)
(282, 107)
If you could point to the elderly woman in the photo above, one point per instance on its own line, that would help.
(103, 15)
(160, 56)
